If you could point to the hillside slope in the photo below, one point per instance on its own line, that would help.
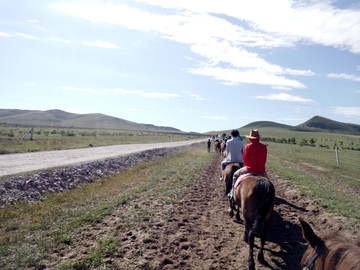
(322, 124)
(260, 124)
(315, 124)
(59, 118)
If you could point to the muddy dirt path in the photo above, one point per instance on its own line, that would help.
(197, 233)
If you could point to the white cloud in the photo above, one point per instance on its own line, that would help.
(214, 117)
(79, 89)
(33, 20)
(253, 76)
(344, 76)
(100, 44)
(61, 40)
(348, 111)
(285, 97)
(143, 93)
(216, 32)
(122, 91)
(289, 21)
(25, 36)
(196, 97)
(4, 34)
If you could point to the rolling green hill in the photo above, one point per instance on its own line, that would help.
(315, 124)
(322, 124)
(260, 124)
(59, 118)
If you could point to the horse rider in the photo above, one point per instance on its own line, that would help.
(234, 149)
(254, 157)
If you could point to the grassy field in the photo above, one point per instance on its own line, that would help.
(315, 172)
(12, 139)
(29, 233)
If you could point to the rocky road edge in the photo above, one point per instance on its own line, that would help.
(32, 186)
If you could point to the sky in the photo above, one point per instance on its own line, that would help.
(195, 65)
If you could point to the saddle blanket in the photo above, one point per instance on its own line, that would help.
(242, 177)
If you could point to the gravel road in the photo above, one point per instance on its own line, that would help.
(26, 162)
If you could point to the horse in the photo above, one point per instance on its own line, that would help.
(217, 146)
(223, 148)
(255, 195)
(228, 174)
(330, 251)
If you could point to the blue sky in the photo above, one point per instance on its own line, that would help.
(194, 65)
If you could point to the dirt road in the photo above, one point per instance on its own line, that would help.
(197, 233)
(26, 162)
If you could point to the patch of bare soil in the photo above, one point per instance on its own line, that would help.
(197, 232)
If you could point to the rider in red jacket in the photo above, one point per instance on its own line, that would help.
(254, 157)
(255, 154)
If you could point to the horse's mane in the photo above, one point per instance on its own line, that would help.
(341, 253)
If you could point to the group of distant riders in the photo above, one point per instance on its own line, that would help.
(252, 157)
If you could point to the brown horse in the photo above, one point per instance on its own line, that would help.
(228, 174)
(217, 146)
(255, 195)
(223, 148)
(331, 251)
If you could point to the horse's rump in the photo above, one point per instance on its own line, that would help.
(257, 196)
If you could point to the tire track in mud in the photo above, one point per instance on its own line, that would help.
(197, 232)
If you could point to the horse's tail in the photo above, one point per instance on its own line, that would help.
(265, 190)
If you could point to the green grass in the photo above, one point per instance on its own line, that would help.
(323, 158)
(29, 233)
(338, 196)
(44, 139)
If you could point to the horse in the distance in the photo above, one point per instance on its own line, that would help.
(255, 195)
(223, 148)
(217, 146)
(330, 251)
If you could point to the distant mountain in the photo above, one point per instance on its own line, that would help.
(315, 124)
(260, 124)
(318, 123)
(59, 118)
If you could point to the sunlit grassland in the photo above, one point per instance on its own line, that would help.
(12, 139)
(29, 233)
(315, 166)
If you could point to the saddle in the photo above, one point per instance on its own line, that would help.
(246, 175)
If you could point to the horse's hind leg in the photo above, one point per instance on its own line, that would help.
(238, 214)
(247, 229)
(251, 263)
(260, 255)
(231, 211)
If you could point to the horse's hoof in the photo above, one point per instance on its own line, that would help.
(260, 258)
(231, 214)
(251, 266)
(238, 218)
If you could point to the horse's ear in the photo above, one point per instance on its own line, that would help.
(309, 234)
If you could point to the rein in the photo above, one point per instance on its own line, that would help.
(310, 263)
(320, 250)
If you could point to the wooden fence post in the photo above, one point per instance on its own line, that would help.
(337, 156)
